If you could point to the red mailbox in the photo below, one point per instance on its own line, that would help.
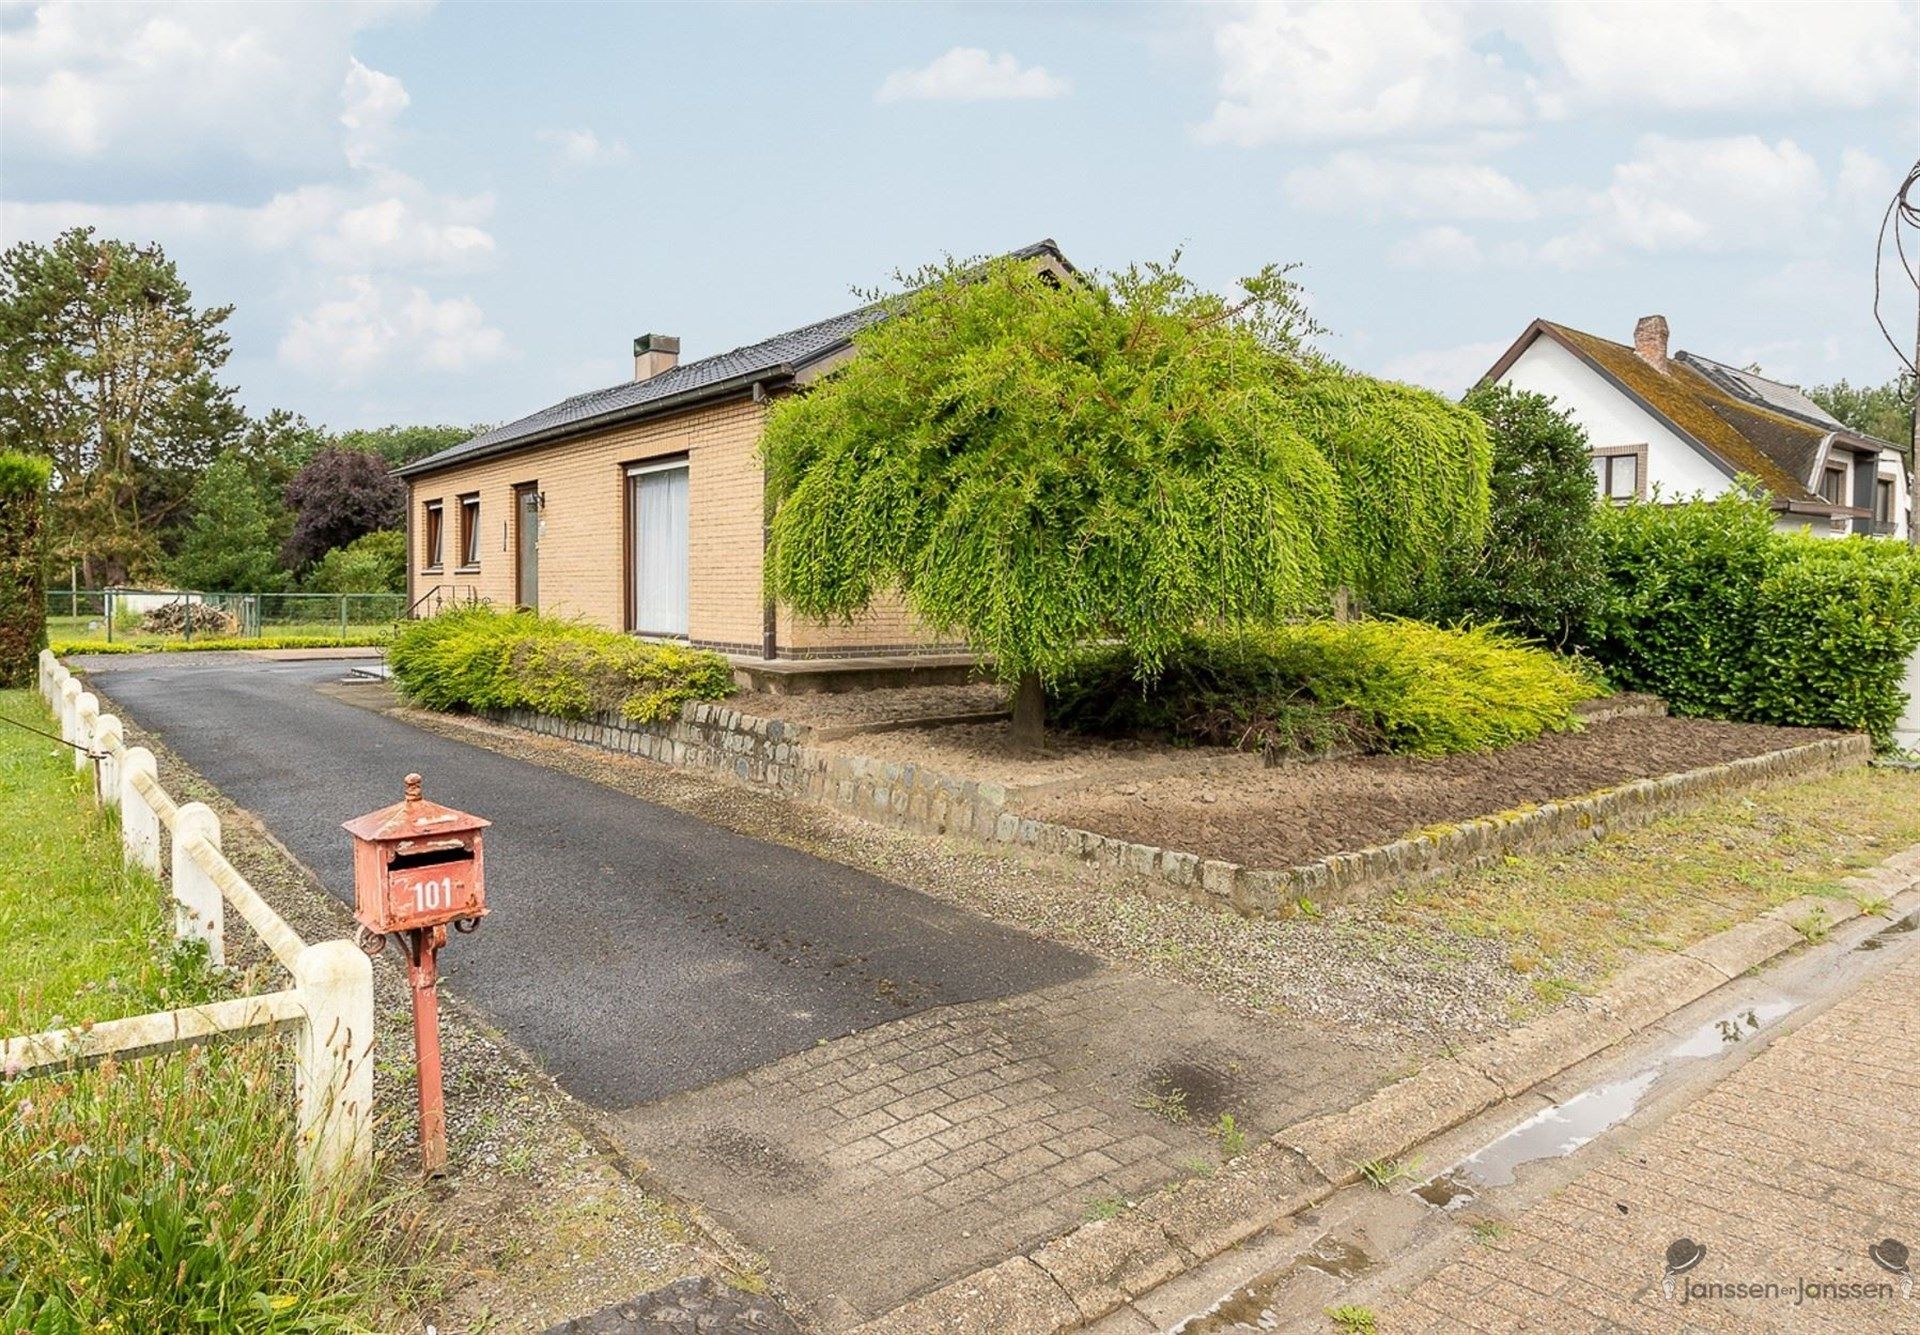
(417, 864)
(416, 868)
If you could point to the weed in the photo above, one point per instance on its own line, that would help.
(1486, 1232)
(1813, 925)
(1385, 1173)
(1309, 910)
(1198, 1167)
(1168, 1102)
(1107, 1207)
(1352, 1319)
(1875, 906)
(1233, 1141)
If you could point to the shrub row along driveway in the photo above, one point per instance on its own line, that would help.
(635, 950)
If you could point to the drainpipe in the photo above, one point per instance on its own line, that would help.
(769, 617)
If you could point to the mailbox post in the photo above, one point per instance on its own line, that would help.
(416, 868)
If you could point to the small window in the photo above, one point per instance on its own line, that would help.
(1617, 476)
(435, 534)
(1883, 500)
(469, 532)
(1833, 485)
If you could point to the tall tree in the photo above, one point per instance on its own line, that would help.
(403, 444)
(339, 495)
(1038, 463)
(107, 368)
(233, 543)
(1884, 411)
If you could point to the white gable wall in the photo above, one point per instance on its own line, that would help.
(1676, 468)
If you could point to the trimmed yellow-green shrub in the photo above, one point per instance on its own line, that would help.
(476, 658)
(1379, 685)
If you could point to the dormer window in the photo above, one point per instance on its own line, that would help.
(1833, 484)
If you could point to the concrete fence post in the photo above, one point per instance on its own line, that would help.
(87, 710)
(70, 694)
(333, 1059)
(139, 822)
(109, 739)
(199, 909)
(48, 663)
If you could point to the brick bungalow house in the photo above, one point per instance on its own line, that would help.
(643, 507)
(1685, 425)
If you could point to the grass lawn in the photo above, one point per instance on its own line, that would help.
(81, 936)
(1570, 918)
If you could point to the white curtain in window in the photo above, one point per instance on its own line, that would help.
(660, 551)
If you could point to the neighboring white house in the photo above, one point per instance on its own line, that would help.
(1685, 426)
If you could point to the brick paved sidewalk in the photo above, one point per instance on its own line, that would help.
(882, 1164)
(1786, 1172)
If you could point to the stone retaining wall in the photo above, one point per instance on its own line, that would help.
(778, 754)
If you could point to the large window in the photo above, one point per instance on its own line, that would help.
(1619, 474)
(435, 532)
(1833, 484)
(657, 547)
(469, 532)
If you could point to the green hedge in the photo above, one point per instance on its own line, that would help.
(1381, 685)
(1709, 607)
(23, 607)
(476, 658)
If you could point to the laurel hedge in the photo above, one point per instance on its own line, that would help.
(1709, 606)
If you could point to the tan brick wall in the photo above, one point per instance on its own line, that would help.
(582, 544)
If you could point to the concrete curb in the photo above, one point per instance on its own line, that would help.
(1081, 1276)
(786, 756)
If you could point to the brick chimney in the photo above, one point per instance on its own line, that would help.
(654, 353)
(1650, 341)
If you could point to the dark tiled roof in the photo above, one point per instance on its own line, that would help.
(783, 354)
(1772, 446)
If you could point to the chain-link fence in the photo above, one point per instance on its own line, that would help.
(157, 616)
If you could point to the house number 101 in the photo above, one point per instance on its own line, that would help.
(436, 894)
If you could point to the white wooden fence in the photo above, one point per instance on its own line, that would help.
(329, 1009)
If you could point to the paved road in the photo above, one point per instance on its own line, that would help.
(635, 950)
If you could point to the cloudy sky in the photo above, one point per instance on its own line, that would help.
(463, 212)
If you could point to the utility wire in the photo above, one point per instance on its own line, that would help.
(1904, 208)
(90, 753)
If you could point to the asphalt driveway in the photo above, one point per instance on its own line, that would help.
(635, 950)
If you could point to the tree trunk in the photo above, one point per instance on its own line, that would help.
(1029, 712)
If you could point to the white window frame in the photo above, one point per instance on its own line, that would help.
(678, 463)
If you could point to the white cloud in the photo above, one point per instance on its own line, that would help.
(583, 148)
(1336, 70)
(970, 74)
(1730, 55)
(162, 83)
(372, 101)
(1705, 195)
(1328, 70)
(1408, 185)
(1450, 371)
(1438, 248)
(373, 324)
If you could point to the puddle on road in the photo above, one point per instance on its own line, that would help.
(1253, 1307)
(1556, 1132)
(1880, 939)
(1200, 1091)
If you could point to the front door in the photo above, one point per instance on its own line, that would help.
(526, 545)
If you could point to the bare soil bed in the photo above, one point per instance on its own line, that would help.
(1294, 813)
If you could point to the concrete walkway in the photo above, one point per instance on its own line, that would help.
(1799, 1176)
(634, 950)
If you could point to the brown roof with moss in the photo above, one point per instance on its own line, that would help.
(1776, 448)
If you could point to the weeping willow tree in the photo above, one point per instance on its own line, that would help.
(1036, 462)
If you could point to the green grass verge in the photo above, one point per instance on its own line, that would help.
(163, 1194)
(81, 935)
(1571, 918)
(157, 646)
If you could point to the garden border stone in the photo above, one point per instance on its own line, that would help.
(786, 756)
(1094, 1269)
